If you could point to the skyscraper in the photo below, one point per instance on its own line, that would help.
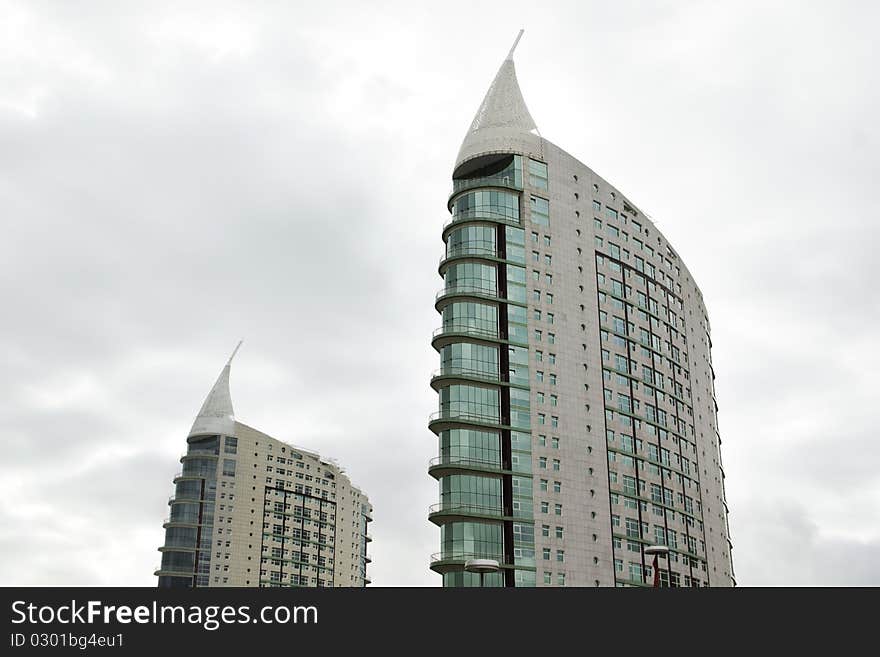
(250, 510)
(577, 415)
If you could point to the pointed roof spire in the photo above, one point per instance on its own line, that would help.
(513, 47)
(217, 416)
(503, 120)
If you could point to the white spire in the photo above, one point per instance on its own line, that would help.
(515, 43)
(217, 416)
(503, 122)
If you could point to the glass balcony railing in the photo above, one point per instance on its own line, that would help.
(455, 415)
(470, 373)
(454, 555)
(178, 571)
(465, 289)
(487, 213)
(508, 181)
(184, 497)
(469, 329)
(454, 460)
(476, 248)
(465, 509)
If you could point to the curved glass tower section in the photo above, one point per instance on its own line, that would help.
(576, 418)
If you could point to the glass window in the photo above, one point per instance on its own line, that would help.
(540, 211)
(537, 174)
(487, 203)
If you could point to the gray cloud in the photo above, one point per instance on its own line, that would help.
(173, 179)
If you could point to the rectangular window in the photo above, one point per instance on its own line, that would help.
(537, 174)
(540, 211)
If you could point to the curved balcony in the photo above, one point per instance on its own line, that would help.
(447, 561)
(187, 475)
(178, 548)
(185, 521)
(464, 184)
(449, 375)
(455, 332)
(447, 464)
(193, 500)
(469, 250)
(447, 419)
(477, 292)
(198, 455)
(481, 214)
(444, 512)
(172, 571)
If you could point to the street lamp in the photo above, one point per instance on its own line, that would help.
(657, 551)
(482, 566)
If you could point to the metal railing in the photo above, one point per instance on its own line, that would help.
(478, 290)
(173, 570)
(463, 184)
(467, 329)
(478, 214)
(448, 459)
(465, 509)
(464, 416)
(452, 555)
(467, 372)
(474, 248)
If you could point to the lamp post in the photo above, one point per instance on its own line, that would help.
(657, 551)
(482, 566)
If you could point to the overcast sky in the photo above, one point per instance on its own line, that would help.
(177, 176)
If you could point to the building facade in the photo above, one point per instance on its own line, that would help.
(577, 418)
(251, 510)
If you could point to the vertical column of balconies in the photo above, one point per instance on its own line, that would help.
(483, 421)
(189, 528)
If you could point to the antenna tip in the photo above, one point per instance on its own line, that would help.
(513, 47)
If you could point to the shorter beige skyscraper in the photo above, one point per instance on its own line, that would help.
(251, 510)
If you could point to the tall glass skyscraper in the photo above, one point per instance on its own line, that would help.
(577, 419)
